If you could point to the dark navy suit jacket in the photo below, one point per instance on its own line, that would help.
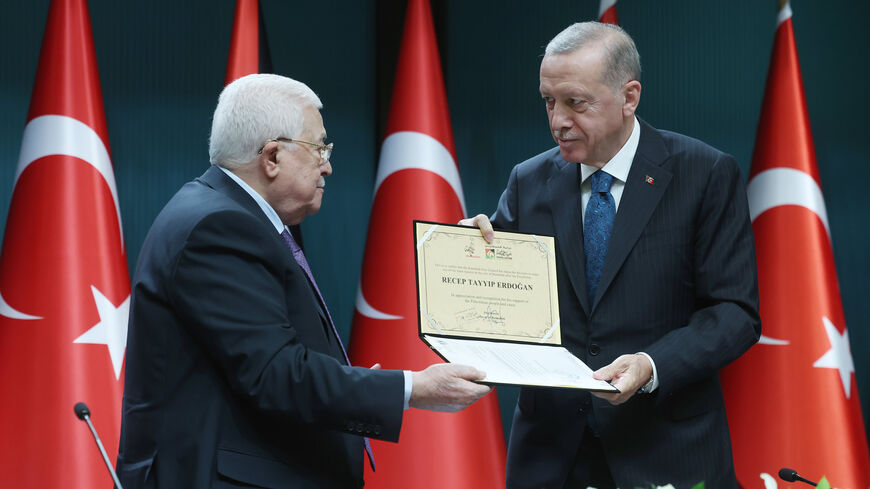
(233, 376)
(679, 283)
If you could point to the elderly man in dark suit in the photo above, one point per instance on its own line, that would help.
(235, 375)
(656, 275)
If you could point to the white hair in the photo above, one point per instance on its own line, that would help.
(251, 111)
(623, 60)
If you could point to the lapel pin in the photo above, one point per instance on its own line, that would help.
(650, 180)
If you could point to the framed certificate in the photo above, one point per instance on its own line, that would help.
(495, 306)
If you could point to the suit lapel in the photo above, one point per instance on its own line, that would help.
(639, 199)
(565, 201)
(215, 178)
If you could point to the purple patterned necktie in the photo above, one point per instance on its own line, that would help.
(299, 256)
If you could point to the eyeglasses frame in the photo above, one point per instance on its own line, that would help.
(325, 150)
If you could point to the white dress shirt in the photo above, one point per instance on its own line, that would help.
(618, 167)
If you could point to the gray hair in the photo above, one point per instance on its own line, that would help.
(253, 110)
(623, 60)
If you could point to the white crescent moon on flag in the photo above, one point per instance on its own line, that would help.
(767, 340)
(406, 150)
(785, 186)
(364, 308)
(61, 135)
(8, 311)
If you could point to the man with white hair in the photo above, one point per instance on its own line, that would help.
(236, 376)
(656, 276)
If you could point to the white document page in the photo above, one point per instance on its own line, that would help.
(520, 363)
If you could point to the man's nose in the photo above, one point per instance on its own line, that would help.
(560, 118)
(326, 168)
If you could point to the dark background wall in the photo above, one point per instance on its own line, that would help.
(162, 66)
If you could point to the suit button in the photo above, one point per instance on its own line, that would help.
(377, 430)
(359, 427)
(581, 410)
(594, 349)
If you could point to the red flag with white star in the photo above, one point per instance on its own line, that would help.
(418, 178)
(64, 285)
(607, 12)
(792, 400)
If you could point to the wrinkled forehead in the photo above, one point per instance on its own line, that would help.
(574, 73)
(587, 62)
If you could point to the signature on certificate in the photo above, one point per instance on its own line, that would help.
(489, 315)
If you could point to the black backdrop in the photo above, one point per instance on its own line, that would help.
(162, 66)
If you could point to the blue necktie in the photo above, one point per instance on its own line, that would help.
(299, 256)
(600, 212)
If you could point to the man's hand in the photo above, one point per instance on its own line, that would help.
(480, 221)
(627, 373)
(447, 387)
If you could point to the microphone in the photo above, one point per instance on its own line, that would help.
(790, 475)
(84, 414)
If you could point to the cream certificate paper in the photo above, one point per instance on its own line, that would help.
(500, 296)
(504, 290)
(520, 363)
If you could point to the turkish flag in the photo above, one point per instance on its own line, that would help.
(249, 54)
(249, 46)
(792, 400)
(418, 178)
(64, 286)
(607, 12)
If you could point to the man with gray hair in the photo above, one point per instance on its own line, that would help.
(236, 376)
(656, 276)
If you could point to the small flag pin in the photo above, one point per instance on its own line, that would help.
(650, 180)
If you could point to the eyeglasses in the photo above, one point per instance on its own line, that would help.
(324, 149)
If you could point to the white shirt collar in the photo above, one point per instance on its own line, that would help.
(620, 164)
(267, 209)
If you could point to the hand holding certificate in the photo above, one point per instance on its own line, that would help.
(495, 306)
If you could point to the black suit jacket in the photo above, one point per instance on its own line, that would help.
(679, 283)
(233, 376)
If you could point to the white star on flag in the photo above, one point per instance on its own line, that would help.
(111, 330)
(839, 356)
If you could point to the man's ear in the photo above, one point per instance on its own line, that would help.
(268, 159)
(631, 92)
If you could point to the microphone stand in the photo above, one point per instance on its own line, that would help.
(84, 414)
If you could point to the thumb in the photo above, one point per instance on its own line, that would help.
(482, 221)
(467, 372)
(621, 364)
(607, 372)
(376, 366)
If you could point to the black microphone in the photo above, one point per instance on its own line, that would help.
(84, 414)
(789, 475)
(82, 410)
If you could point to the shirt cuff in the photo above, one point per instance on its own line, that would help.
(409, 386)
(655, 376)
